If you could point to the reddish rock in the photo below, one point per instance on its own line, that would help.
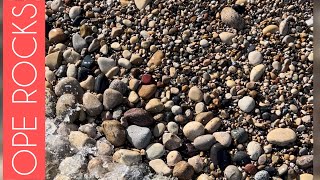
(250, 168)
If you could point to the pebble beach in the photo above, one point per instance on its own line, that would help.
(179, 89)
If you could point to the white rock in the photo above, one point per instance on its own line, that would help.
(246, 104)
(255, 57)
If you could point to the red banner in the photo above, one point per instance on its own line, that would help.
(23, 98)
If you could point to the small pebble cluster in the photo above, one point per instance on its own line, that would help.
(179, 89)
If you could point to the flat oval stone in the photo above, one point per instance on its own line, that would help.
(78, 42)
(106, 64)
(101, 83)
(138, 136)
(204, 142)
(287, 136)
(112, 98)
(92, 105)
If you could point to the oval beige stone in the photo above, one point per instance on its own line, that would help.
(281, 136)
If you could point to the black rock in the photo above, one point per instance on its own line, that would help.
(271, 170)
(241, 158)
(101, 83)
(224, 159)
(240, 9)
(240, 135)
(88, 62)
(61, 71)
(83, 73)
(77, 20)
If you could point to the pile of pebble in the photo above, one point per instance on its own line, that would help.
(179, 89)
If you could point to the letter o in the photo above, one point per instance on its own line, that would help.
(35, 71)
(22, 173)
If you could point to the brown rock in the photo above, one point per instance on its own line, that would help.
(156, 59)
(183, 170)
(57, 35)
(147, 91)
(85, 30)
(138, 117)
(53, 60)
(114, 132)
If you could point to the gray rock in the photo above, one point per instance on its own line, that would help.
(232, 173)
(138, 136)
(71, 56)
(254, 150)
(92, 105)
(74, 12)
(95, 45)
(159, 129)
(111, 99)
(72, 166)
(305, 161)
(262, 175)
(246, 104)
(204, 142)
(171, 141)
(155, 151)
(69, 85)
(119, 86)
(56, 4)
(231, 18)
(66, 107)
(78, 42)
(255, 57)
(106, 64)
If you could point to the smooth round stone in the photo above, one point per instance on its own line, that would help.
(262, 175)
(146, 79)
(213, 125)
(92, 105)
(270, 29)
(232, 173)
(176, 110)
(87, 62)
(250, 169)
(138, 136)
(74, 12)
(124, 63)
(204, 142)
(240, 135)
(155, 151)
(147, 91)
(200, 107)
(310, 57)
(231, 18)
(159, 129)
(71, 56)
(254, 150)
(192, 130)
(101, 83)
(226, 37)
(69, 85)
(56, 4)
(136, 59)
(197, 163)
(154, 106)
(53, 60)
(183, 170)
(223, 138)
(116, 46)
(283, 169)
(287, 136)
(56, 35)
(106, 64)
(246, 104)
(195, 94)
(204, 43)
(114, 132)
(173, 158)
(160, 167)
(133, 97)
(139, 117)
(111, 98)
(171, 141)
(257, 72)
(119, 86)
(255, 57)
(204, 117)
(173, 127)
(78, 42)
(241, 158)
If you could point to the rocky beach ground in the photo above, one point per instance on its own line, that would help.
(179, 89)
